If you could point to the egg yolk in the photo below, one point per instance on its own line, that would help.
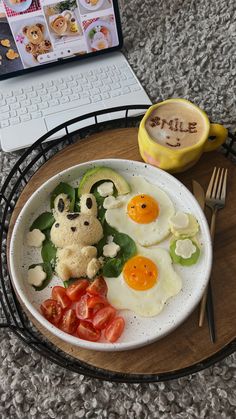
(140, 273)
(143, 209)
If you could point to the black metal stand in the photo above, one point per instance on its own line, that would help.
(12, 314)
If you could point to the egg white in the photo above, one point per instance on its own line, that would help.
(144, 234)
(150, 302)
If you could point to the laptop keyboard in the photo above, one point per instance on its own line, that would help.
(66, 93)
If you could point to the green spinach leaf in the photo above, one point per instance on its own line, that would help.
(43, 222)
(69, 282)
(101, 210)
(77, 204)
(48, 252)
(113, 267)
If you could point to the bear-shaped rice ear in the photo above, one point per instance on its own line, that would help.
(61, 205)
(88, 204)
(40, 26)
(25, 29)
(67, 15)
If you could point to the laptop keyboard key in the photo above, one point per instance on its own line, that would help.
(14, 121)
(35, 100)
(53, 102)
(31, 95)
(105, 95)
(128, 82)
(5, 108)
(4, 116)
(96, 98)
(22, 97)
(36, 115)
(26, 102)
(125, 90)
(33, 108)
(8, 94)
(43, 105)
(26, 117)
(21, 111)
(75, 96)
(15, 106)
(4, 124)
(11, 100)
(116, 93)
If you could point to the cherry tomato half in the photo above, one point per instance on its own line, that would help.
(82, 309)
(52, 311)
(115, 329)
(103, 317)
(75, 290)
(59, 294)
(96, 302)
(69, 322)
(86, 331)
(98, 287)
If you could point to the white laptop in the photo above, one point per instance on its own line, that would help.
(60, 60)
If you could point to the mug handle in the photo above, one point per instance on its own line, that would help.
(220, 133)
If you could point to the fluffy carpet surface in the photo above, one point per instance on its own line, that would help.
(178, 48)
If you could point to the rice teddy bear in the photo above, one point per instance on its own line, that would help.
(37, 44)
(74, 235)
(59, 24)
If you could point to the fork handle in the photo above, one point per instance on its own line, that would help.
(204, 298)
(213, 224)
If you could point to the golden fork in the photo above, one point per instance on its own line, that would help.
(215, 199)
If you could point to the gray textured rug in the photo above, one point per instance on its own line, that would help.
(178, 48)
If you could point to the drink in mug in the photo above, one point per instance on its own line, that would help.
(173, 135)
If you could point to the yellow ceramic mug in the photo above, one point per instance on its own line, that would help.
(171, 157)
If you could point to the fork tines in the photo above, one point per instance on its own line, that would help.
(217, 185)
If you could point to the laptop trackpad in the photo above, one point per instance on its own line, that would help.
(25, 134)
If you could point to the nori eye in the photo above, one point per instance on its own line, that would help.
(86, 223)
(57, 225)
(143, 206)
(61, 205)
(89, 203)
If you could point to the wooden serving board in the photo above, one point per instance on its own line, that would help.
(188, 344)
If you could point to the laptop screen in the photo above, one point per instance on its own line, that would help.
(36, 33)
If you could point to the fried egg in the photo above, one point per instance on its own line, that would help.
(144, 214)
(146, 282)
(99, 41)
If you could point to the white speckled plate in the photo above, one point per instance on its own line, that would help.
(139, 331)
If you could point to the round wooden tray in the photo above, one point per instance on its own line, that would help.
(188, 345)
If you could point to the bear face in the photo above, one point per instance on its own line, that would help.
(34, 33)
(59, 25)
(75, 228)
(72, 228)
